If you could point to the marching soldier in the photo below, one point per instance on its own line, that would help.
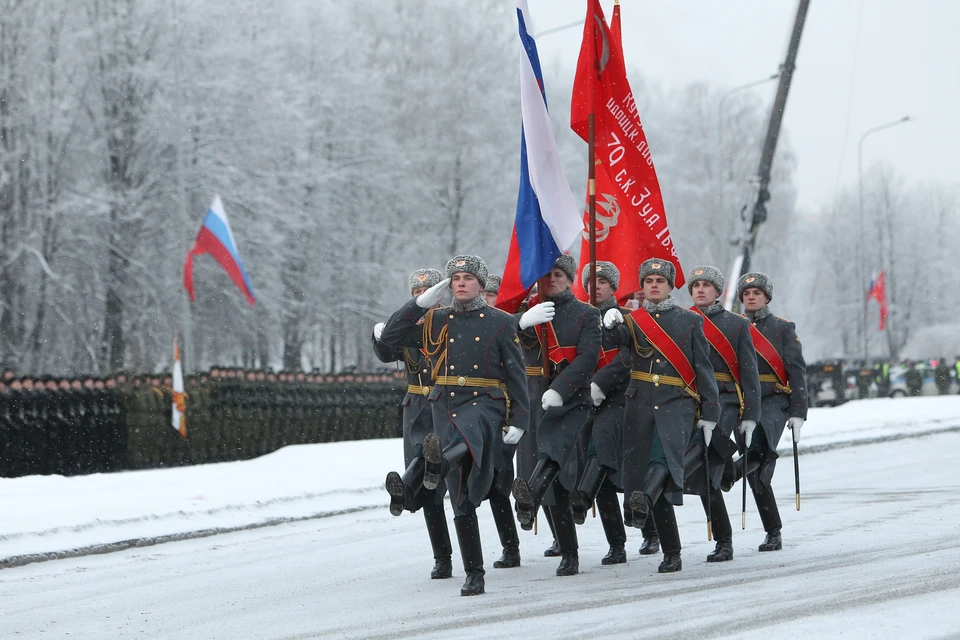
(479, 399)
(491, 290)
(672, 391)
(407, 492)
(573, 347)
(735, 370)
(527, 451)
(599, 481)
(783, 394)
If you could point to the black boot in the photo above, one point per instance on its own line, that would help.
(641, 502)
(507, 528)
(403, 488)
(566, 538)
(616, 555)
(722, 531)
(553, 551)
(586, 492)
(468, 535)
(439, 463)
(528, 495)
(439, 534)
(766, 507)
(773, 541)
(651, 541)
(723, 551)
(609, 507)
(671, 563)
(509, 559)
(666, 520)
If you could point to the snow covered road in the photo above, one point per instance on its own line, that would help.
(875, 551)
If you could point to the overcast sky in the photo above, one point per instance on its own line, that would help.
(906, 61)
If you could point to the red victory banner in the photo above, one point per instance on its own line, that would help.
(631, 222)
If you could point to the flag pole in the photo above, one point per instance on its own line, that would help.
(186, 362)
(592, 200)
(542, 329)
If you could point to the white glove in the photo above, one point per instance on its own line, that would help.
(795, 424)
(596, 394)
(551, 399)
(378, 330)
(538, 314)
(612, 318)
(429, 298)
(512, 435)
(708, 428)
(633, 304)
(746, 428)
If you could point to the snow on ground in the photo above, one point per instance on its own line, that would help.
(52, 514)
(874, 552)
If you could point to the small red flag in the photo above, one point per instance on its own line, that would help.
(878, 292)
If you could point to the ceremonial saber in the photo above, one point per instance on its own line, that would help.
(706, 475)
(796, 466)
(743, 508)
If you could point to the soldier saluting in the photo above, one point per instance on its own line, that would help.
(573, 346)
(783, 394)
(407, 492)
(479, 388)
(735, 369)
(672, 390)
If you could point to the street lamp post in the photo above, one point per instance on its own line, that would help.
(723, 100)
(903, 120)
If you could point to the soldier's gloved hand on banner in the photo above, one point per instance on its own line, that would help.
(551, 399)
(708, 428)
(512, 435)
(596, 394)
(538, 314)
(632, 304)
(612, 318)
(378, 330)
(746, 428)
(429, 298)
(795, 424)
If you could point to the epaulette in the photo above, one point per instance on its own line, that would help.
(501, 312)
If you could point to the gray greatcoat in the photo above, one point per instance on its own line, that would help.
(776, 406)
(668, 411)
(613, 378)
(558, 433)
(736, 329)
(477, 343)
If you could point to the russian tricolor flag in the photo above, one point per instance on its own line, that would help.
(548, 220)
(216, 238)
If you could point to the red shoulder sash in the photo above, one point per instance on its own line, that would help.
(719, 342)
(665, 345)
(557, 353)
(769, 353)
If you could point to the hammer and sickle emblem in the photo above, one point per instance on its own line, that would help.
(606, 219)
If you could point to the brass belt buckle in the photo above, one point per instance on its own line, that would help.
(656, 379)
(461, 381)
(426, 391)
